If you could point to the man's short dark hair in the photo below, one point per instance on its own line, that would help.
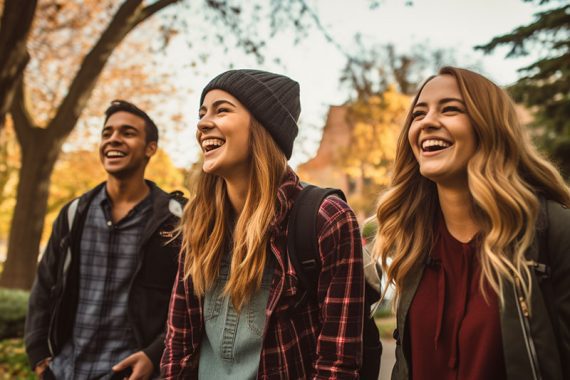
(119, 105)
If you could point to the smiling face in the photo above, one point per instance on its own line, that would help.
(223, 134)
(441, 134)
(124, 150)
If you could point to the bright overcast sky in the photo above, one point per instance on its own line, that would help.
(316, 64)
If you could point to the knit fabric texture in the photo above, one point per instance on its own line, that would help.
(272, 99)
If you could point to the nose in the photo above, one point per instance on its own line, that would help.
(114, 138)
(429, 121)
(204, 124)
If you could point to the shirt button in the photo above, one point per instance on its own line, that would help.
(109, 223)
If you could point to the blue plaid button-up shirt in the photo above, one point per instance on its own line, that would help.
(108, 258)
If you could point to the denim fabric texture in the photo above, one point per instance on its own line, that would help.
(232, 341)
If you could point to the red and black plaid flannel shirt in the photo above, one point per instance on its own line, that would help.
(320, 340)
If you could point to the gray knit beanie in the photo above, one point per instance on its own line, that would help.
(272, 99)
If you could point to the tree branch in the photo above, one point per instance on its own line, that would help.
(548, 21)
(23, 122)
(153, 8)
(127, 17)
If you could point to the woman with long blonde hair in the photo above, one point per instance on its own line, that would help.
(474, 233)
(235, 310)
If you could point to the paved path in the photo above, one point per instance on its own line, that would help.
(388, 358)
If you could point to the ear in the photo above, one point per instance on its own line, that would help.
(150, 149)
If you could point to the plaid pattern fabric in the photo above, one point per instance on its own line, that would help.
(102, 335)
(320, 339)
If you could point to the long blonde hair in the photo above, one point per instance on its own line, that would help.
(505, 177)
(206, 223)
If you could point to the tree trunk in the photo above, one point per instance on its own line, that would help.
(38, 159)
(16, 22)
(41, 146)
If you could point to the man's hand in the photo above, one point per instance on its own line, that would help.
(41, 367)
(140, 363)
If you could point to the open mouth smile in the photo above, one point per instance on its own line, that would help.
(115, 154)
(434, 145)
(211, 144)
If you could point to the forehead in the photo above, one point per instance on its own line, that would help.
(440, 87)
(122, 118)
(217, 94)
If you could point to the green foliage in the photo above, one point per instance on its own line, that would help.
(369, 230)
(13, 307)
(13, 361)
(386, 326)
(545, 84)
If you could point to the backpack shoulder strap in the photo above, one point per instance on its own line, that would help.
(71, 211)
(302, 239)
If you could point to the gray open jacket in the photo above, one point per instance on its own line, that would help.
(535, 346)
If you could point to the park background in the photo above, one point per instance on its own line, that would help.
(358, 64)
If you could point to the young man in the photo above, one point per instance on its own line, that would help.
(99, 303)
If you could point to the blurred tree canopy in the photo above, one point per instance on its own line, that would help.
(545, 84)
(373, 67)
(376, 122)
(71, 42)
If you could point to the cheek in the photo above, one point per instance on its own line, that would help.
(413, 138)
(245, 147)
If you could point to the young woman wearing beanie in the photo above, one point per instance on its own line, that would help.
(475, 235)
(233, 311)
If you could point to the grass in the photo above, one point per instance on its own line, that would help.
(13, 360)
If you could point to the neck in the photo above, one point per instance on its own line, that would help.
(457, 209)
(130, 190)
(237, 189)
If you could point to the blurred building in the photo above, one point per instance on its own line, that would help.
(323, 169)
(326, 167)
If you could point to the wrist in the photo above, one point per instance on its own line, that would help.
(42, 365)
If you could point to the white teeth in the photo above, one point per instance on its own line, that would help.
(433, 142)
(114, 153)
(212, 143)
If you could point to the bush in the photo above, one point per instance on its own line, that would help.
(13, 361)
(386, 327)
(369, 230)
(13, 307)
(384, 310)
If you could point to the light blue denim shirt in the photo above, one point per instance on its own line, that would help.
(231, 343)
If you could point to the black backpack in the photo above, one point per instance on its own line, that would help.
(302, 247)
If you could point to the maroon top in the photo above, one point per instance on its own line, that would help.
(454, 332)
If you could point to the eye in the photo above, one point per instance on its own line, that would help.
(451, 109)
(223, 109)
(201, 115)
(417, 114)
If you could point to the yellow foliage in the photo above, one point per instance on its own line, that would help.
(9, 166)
(78, 171)
(376, 125)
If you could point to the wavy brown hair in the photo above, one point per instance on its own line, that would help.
(506, 176)
(207, 230)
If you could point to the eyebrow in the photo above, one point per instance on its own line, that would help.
(122, 126)
(442, 101)
(217, 103)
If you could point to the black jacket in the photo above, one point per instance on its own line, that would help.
(536, 345)
(54, 295)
